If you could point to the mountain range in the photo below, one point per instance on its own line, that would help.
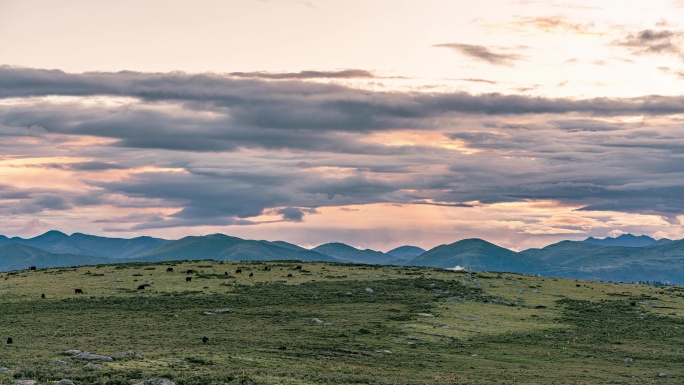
(626, 258)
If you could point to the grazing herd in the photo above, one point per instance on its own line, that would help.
(170, 270)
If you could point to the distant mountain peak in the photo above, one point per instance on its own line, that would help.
(624, 240)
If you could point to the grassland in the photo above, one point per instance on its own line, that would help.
(336, 324)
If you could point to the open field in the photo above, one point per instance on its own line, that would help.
(336, 324)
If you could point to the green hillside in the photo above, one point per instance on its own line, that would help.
(330, 323)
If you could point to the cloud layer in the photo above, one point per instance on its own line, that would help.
(214, 150)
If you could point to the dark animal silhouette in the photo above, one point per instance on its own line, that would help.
(205, 340)
(225, 273)
(78, 291)
(42, 296)
(299, 267)
(32, 268)
(251, 274)
(238, 271)
(169, 269)
(282, 348)
(9, 341)
(188, 279)
(289, 275)
(266, 268)
(141, 287)
(189, 272)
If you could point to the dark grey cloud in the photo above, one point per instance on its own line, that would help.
(650, 41)
(243, 147)
(483, 53)
(84, 166)
(343, 74)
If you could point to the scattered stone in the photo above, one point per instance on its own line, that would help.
(59, 362)
(208, 313)
(348, 293)
(3, 369)
(629, 360)
(91, 366)
(156, 382)
(27, 382)
(549, 337)
(617, 381)
(65, 382)
(72, 352)
(317, 320)
(90, 356)
(535, 291)
(384, 351)
(662, 375)
(129, 353)
(426, 315)
(221, 311)
(474, 355)
(369, 290)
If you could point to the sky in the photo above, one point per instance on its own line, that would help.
(370, 122)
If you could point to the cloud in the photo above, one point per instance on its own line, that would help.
(482, 53)
(343, 74)
(222, 151)
(649, 41)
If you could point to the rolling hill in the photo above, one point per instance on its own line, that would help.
(476, 254)
(14, 256)
(346, 253)
(226, 248)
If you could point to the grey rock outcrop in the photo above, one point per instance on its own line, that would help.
(93, 357)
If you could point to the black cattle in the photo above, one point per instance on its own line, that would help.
(9, 341)
(32, 268)
(189, 272)
(299, 267)
(169, 269)
(289, 275)
(78, 291)
(251, 274)
(205, 340)
(282, 348)
(141, 287)
(238, 271)
(266, 268)
(188, 279)
(42, 296)
(225, 273)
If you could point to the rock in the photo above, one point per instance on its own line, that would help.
(129, 353)
(90, 356)
(426, 315)
(221, 311)
(662, 375)
(59, 362)
(27, 382)
(3, 369)
(549, 337)
(72, 352)
(65, 382)
(317, 320)
(369, 290)
(156, 382)
(208, 313)
(91, 366)
(629, 360)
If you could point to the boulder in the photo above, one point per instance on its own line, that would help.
(65, 382)
(90, 356)
(369, 290)
(59, 362)
(72, 352)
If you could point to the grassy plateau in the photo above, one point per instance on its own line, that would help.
(329, 323)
